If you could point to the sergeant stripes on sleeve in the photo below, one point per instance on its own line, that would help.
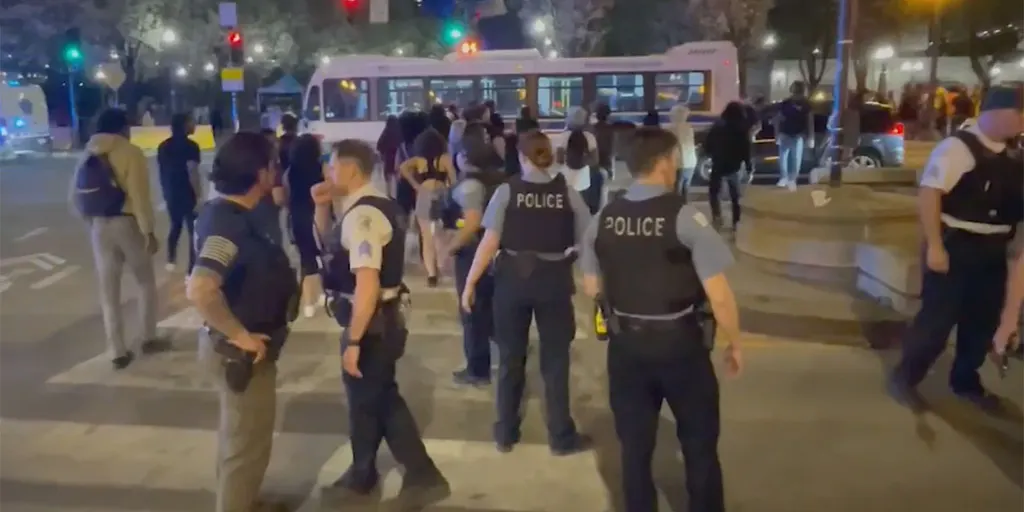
(219, 249)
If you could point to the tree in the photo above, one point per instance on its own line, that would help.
(742, 22)
(577, 27)
(985, 32)
(32, 30)
(807, 32)
(877, 23)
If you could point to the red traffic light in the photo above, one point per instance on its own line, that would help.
(235, 39)
(468, 47)
(350, 4)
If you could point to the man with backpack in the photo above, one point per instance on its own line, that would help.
(111, 192)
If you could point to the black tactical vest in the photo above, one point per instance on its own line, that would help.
(337, 275)
(262, 288)
(539, 217)
(992, 192)
(645, 269)
(452, 212)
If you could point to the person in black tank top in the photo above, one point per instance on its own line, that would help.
(429, 172)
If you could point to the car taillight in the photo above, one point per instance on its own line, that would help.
(897, 129)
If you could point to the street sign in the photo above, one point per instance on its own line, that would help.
(232, 79)
(228, 14)
(379, 11)
(113, 75)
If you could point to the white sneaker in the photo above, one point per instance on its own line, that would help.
(170, 267)
(791, 186)
(309, 311)
(782, 182)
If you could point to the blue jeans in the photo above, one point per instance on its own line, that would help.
(791, 156)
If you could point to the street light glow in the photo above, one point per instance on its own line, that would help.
(249, 60)
(539, 26)
(995, 71)
(100, 75)
(770, 41)
(547, 41)
(399, 52)
(114, 55)
(169, 37)
(181, 72)
(883, 53)
(258, 48)
(325, 60)
(209, 67)
(552, 54)
(1022, 63)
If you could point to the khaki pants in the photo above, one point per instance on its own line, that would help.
(117, 241)
(245, 433)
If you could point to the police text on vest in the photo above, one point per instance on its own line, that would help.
(630, 226)
(539, 200)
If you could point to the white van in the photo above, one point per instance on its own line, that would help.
(24, 119)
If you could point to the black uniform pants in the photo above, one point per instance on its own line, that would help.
(517, 300)
(968, 297)
(638, 384)
(478, 324)
(378, 412)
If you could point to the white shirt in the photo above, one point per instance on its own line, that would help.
(949, 162)
(365, 230)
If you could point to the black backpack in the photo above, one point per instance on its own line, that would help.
(97, 193)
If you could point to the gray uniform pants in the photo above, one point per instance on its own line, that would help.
(117, 241)
(245, 433)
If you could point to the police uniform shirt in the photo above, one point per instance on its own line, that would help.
(494, 216)
(363, 229)
(470, 194)
(948, 163)
(711, 256)
(222, 231)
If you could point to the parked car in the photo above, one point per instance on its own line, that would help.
(880, 143)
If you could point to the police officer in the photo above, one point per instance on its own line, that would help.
(656, 264)
(535, 220)
(246, 299)
(364, 260)
(971, 197)
(481, 175)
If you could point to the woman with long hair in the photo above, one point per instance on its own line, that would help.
(728, 144)
(683, 130)
(439, 121)
(430, 171)
(387, 147)
(305, 169)
(411, 124)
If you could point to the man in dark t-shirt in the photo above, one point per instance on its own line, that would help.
(178, 159)
(794, 129)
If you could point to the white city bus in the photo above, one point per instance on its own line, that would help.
(352, 97)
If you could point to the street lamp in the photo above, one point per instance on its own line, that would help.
(249, 60)
(169, 37)
(547, 41)
(399, 52)
(995, 71)
(325, 60)
(258, 49)
(209, 67)
(539, 27)
(553, 54)
(770, 41)
(181, 72)
(100, 75)
(884, 53)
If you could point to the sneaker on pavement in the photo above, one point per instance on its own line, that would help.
(578, 444)
(782, 182)
(791, 186)
(463, 377)
(122, 362)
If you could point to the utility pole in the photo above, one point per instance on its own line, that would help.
(846, 27)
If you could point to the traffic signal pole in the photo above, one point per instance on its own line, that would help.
(73, 107)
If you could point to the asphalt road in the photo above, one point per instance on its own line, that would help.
(807, 428)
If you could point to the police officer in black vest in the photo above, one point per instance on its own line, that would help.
(246, 292)
(535, 220)
(363, 261)
(482, 173)
(971, 200)
(655, 265)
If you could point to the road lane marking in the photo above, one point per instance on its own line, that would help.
(53, 259)
(30, 234)
(40, 260)
(54, 278)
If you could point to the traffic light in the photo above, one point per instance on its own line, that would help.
(72, 51)
(351, 9)
(468, 47)
(236, 47)
(453, 32)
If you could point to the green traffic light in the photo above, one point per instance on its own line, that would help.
(72, 54)
(455, 33)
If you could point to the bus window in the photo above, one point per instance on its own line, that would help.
(345, 100)
(507, 92)
(622, 93)
(682, 87)
(396, 95)
(312, 110)
(447, 91)
(557, 94)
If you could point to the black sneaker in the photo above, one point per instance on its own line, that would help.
(420, 490)
(580, 443)
(432, 281)
(905, 394)
(464, 378)
(504, 447)
(982, 398)
(156, 345)
(122, 362)
(355, 483)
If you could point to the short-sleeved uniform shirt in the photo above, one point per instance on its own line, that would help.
(224, 235)
(363, 229)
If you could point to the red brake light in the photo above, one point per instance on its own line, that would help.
(897, 129)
